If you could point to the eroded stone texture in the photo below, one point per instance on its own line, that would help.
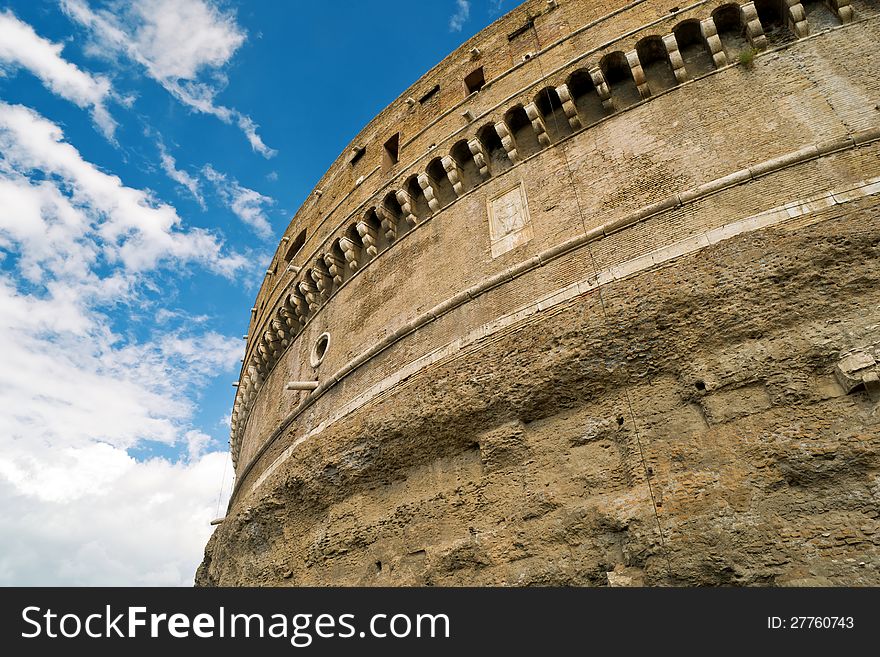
(521, 461)
(617, 327)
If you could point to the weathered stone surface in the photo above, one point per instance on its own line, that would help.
(663, 377)
(783, 492)
(857, 370)
(623, 576)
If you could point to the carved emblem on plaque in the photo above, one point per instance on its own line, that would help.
(509, 222)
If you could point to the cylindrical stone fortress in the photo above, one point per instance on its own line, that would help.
(595, 301)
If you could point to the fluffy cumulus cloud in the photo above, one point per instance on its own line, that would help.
(21, 47)
(75, 507)
(461, 15)
(83, 381)
(138, 523)
(247, 204)
(181, 44)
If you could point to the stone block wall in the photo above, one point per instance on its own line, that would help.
(526, 274)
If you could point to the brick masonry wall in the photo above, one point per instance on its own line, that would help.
(799, 93)
(686, 136)
(701, 390)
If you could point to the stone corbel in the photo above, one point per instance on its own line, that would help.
(480, 159)
(569, 107)
(335, 267)
(263, 353)
(254, 373)
(602, 88)
(797, 18)
(405, 199)
(632, 57)
(280, 329)
(310, 292)
(349, 250)
(273, 345)
(538, 124)
(288, 316)
(301, 306)
(290, 306)
(321, 282)
(388, 221)
(425, 183)
(843, 10)
(675, 58)
(369, 237)
(754, 29)
(507, 141)
(451, 169)
(710, 34)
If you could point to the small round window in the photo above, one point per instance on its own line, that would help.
(320, 349)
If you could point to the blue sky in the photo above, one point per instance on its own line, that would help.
(151, 154)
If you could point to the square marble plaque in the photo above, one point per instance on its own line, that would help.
(509, 222)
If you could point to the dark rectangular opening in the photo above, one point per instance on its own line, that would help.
(522, 30)
(295, 246)
(474, 81)
(390, 152)
(357, 154)
(430, 94)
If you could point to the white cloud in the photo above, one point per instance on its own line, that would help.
(84, 378)
(177, 39)
(246, 204)
(196, 443)
(461, 15)
(146, 524)
(74, 506)
(134, 228)
(182, 44)
(182, 178)
(75, 383)
(249, 128)
(21, 46)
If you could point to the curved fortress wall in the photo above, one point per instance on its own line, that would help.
(595, 289)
